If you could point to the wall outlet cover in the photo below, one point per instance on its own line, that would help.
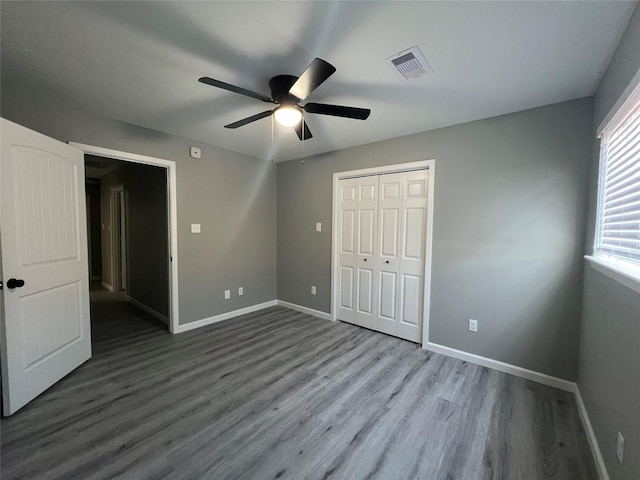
(240, 291)
(227, 294)
(313, 289)
(195, 228)
(473, 325)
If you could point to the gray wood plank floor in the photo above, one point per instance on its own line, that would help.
(281, 395)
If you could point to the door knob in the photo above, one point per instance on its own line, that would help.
(387, 261)
(365, 259)
(15, 283)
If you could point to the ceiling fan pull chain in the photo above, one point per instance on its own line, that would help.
(272, 148)
(303, 137)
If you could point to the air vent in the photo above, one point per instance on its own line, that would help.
(410, 63)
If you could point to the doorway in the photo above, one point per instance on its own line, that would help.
(129, 222)
(381, 248)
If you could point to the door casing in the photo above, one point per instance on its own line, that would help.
(172, 213)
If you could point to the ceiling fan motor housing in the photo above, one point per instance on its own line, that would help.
(280, 86)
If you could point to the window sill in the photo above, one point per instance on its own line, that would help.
(627, 275)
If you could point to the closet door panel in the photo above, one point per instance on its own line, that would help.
(389, 224)
(412, 255)
(366, 249)
(347, 240)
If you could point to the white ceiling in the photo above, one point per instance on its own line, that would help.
(139, 62)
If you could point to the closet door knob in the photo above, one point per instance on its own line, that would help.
(387, 261)
(365, 259)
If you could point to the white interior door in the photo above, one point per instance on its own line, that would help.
(366, 226)
(382, 249)
(388, 272)
(45, 324)
(347, 249)
(412, 254)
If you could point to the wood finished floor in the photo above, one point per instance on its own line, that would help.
(281, 395)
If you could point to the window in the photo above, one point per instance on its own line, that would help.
(618, 224)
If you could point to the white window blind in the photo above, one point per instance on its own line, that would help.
(619, 200)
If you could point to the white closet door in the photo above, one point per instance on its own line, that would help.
(382, 252)
(347, 249)
(388, 261)
(366, 229)
(412, 254)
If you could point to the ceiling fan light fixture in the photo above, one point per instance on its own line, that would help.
(288, 116)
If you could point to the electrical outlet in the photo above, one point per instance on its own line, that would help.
(240, 291)
(227, 294)
(313, 289)
(473, 325)
(620, 448)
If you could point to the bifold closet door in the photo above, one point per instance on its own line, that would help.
(381, 252)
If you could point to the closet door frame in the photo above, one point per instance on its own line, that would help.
(429, 165)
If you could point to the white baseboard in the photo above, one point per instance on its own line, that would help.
(149, 310)
(504, 367)
(591, 436)
(107, 286)
(223, 316)
(307, 310)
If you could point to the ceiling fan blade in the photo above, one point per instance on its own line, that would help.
(307, 132)
(250, 119)
(232, 88)
(311, 78)
(338, 110)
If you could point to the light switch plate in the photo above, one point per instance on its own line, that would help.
(318, 227)
(227, 294)
(240, 291)
(195, 228)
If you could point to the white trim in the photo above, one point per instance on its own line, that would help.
(172, 203)
(116, 206)
(591, 436)
(307, 310)
(149, 310)
(223, 316)
(429, 165)
(621, 272)
(107, 286)
(619, 109)
(532, 375)
(397, 168)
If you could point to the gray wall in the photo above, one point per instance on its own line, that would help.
(147, 243)
(93, 191)
(509, 226)
(609, 362)
(233, 196)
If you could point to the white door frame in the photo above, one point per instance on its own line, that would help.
(172, 213)
(429, 165)
(118, 220)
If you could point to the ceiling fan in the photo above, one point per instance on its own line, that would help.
(287, 91)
